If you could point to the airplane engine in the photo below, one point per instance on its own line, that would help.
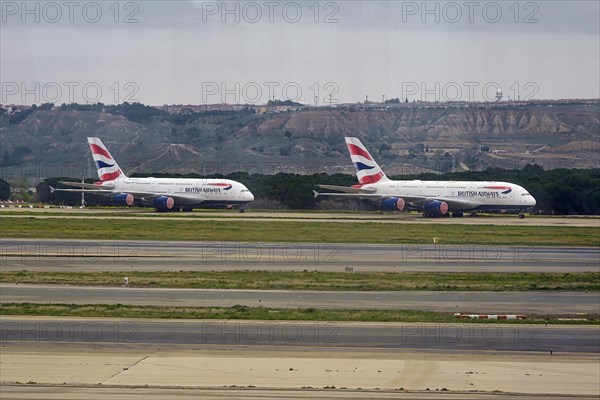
(123, 199)
(436, 208)
(393, 204)
(163, 203)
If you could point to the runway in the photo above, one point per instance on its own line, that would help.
(542, 303)
(140, 358)
(154, 393)
(98, 255)
(325, 336)
(75, 357)
(251, 215)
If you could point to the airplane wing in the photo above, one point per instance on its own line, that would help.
(179, 198)
(415, 201)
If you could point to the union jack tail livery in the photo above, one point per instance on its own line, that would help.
(108, 169)
(164, 194)
(433, 198)
(367, 169)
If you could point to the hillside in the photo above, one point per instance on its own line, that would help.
(404, 139)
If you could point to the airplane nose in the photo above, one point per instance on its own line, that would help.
(532, 201)
(249, 196)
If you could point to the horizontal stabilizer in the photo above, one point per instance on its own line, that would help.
(353, 195)
(346, 189)
(90, 191)
(84, 185)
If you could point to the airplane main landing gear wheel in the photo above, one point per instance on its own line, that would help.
(457, 215)
(241, 210)
(521, 215)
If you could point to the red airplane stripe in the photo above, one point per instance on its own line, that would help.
(357, 151)
(371, 178)
(110, 177)
(99, 150)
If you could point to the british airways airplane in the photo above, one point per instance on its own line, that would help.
(164, 194)
(434, 198)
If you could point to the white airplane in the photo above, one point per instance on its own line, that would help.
(434, 198)
(164, 194)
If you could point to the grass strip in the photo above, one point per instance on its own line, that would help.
(288, 231)
(239, 312)
(316, 280)
(216, 213)
(262, 214)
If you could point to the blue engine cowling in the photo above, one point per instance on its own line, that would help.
(163, 203)
(436, 208)
(392, 204)
(123, 199)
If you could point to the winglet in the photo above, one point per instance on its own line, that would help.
(316, 193)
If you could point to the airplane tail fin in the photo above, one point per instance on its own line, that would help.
(108, 169)
(367, 170)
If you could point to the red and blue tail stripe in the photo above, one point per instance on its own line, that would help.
(357, 151)
(367, 170)
(108, 169)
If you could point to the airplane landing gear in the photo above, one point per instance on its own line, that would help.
(241, 210)
(457, 215)
(521, 215)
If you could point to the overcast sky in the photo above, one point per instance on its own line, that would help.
(196, 52)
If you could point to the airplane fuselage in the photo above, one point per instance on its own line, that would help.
(188, 192)
(467, 195)
(434, 198)
(164, 194)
